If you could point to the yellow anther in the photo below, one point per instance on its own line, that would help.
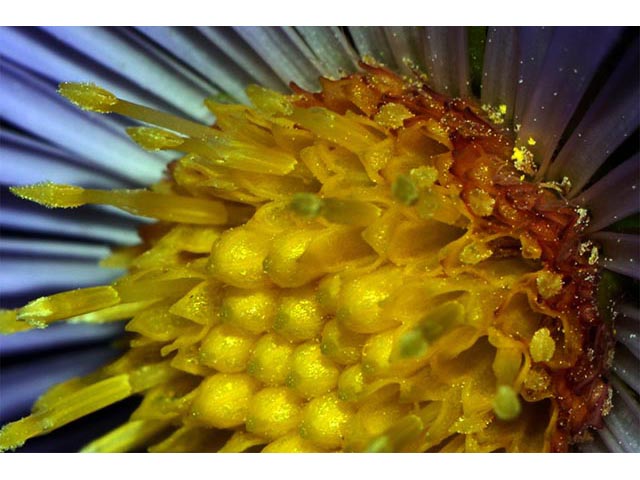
(548, 283)
(481, 203)
(227, 349)
(506, 403)
(361, 299)
(424, 177)
(270, 359)
(237, 258)
(542, 346)
(299, 317)
(312, 374)
(475, 253)
(392, 115)
(376, 354)
(274, 412)
(325, 420)
(341, 345)
(282, 264)
(88, 96)
(351, 383)
(251, 310)
(503, 109)
(531, 141)
(223, 400)
(151, 138)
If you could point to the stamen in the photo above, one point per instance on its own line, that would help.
(78, 404)
(90, 97)
(223, 152)
(127, 437)
(169, 207)
(45, 310)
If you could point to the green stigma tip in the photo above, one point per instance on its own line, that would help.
(307, 205)
(405, 190)
(413, 344)
(506, 403)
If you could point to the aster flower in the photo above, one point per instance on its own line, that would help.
(476, 194)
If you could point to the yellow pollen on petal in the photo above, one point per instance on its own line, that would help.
(542, 346)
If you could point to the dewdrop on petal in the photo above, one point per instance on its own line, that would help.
(348, 270)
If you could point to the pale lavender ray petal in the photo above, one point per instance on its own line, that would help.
(204, 57)
(620, 252)
(610, 119)
(447, 59)
(609, 440)
(533, 43)
(23, 166)
(20, 274)
(53, 248)
(627, 332)
(407, 44)
(593, 446)
(58, 336)
(500, 70)
(233, 46)
(32, 104)
(82, 223)
(276, 47)
(627, 367)
(371, 42)
(614, 197)
(629, 311)
(37, 51)
(141, 63)
(331, 48)
(572, 59)
(624, 424)
(626, 396)
(23, 383)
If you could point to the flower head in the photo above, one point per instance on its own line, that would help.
(376, 266)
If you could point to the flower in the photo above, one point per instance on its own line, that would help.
(537, 83)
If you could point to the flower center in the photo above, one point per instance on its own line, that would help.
(370, 267)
